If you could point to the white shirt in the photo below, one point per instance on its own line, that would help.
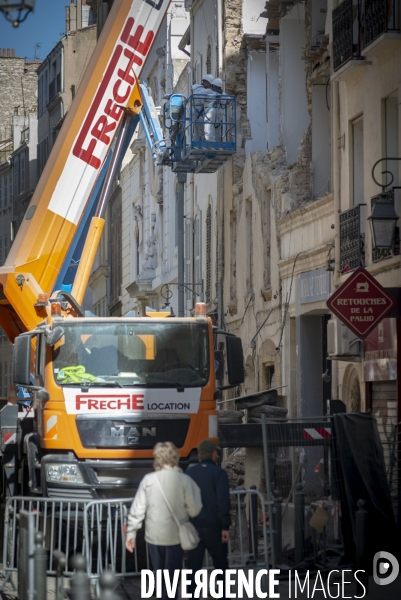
(183, 495)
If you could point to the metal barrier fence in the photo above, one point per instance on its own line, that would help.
(303, 481)
(96, 529)
(60, 521)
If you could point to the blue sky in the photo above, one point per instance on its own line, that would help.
(43, 26)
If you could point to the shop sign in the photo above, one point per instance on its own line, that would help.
(314, 286)
(361, 303)
(380, 355)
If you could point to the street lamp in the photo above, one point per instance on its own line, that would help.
(382, 221)
(8, 7)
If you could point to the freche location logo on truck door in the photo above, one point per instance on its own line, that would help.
(361, 302)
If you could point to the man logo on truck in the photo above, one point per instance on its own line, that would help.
(133, 434)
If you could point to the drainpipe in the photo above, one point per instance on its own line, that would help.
(181, 179)
(220, 35)
(336, 174)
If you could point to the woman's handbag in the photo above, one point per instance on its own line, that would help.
(189, 537)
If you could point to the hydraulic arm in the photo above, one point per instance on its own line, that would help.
(75, 163)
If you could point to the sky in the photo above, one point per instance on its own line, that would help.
(44, 26)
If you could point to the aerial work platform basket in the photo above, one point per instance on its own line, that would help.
(202, 131)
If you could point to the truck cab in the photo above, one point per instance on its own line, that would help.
(105, 391)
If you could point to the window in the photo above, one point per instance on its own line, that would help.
(40, 99)
(22, 172)
(233, 254)
(269, 377)
(42, 155)
(357, 162)
(209, 56)
(249, 245)
(115, 246)
(16, 175)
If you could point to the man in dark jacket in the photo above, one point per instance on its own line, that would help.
(213, 522)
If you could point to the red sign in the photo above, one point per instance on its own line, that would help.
(361, 302)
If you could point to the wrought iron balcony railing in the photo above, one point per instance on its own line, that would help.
(380, 16)
(356, 24)
(352, 246)
(346, 34)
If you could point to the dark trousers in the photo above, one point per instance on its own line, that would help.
(166, 557)
(210, 540)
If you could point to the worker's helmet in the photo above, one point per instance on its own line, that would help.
(209, 78)
(217, 82)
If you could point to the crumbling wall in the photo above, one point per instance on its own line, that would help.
(235, 68)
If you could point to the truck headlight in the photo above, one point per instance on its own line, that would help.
(63, 473)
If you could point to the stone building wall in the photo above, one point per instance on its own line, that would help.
(18, 90)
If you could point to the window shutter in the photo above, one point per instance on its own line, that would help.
(198, 251)
(208, 252)
(209, 57)
(188, 261)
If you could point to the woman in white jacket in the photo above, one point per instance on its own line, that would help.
(161, 531)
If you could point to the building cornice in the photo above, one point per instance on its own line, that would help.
(300, 218)
(306, 261)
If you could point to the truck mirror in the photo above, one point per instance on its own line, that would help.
(54, 335)
(43, 395)
(22, 360)
(235, 360)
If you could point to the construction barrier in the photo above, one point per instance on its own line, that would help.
(96, 529)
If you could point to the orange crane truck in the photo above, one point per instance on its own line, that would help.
(103, 390)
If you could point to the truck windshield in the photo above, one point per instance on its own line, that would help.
(150, 354)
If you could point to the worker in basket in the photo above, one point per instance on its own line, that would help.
(198, 106)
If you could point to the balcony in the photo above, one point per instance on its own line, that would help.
(359, 28)
(352, 246)
(381, 16)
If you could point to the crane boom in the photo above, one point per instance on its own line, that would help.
(76, 160)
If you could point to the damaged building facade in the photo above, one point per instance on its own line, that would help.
(267, 237)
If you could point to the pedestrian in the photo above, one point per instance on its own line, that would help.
(213, 522)
(167, 482)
